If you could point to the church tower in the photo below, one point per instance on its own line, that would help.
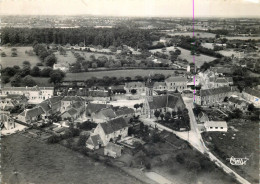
(149, 90)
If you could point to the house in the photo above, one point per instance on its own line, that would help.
(35, 95)
(30, 116)
(70, 114)
(138, 86)
(9, 102)
(176, 83)
(215, 95)
(216, 82)
(7, 122)
(220, 126)
(235, 102)
(112, 150)
(93, 108)
(252, 95)
(94, 142)
(203, 117)
(61, 66)
(69, 100)
(54, 103)
(114, 129)
(160, 86)
(221, 70)
(103, 115)
(45, 107)
(125, 112)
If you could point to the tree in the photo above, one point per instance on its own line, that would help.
(167, 116)
(56, 76)
(136, 106)
(50, 60)
(174, 113)
(251, 107)
(28, 81)
(35, 72)
(162, 116)
(14, 54)
(82, 140)
(157, 114)
(133, 91)
(16, 80)
(26, 64)
(46, 72)
(3, 54)
(5, 79)
(226, 99)
(141, 105)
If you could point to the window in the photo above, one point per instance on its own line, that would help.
(210, 127)
(216, 127)
(221, 127)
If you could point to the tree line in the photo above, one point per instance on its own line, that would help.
(132, 37)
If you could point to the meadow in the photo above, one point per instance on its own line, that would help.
(196, 34)
(185, 54)
(10, 61)
(41, 163)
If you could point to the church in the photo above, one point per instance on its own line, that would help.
(162, 103)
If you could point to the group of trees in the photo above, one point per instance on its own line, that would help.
(24, 76)
(133, 37)
(47, 57)
(175, 119)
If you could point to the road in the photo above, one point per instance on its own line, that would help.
(194, 138)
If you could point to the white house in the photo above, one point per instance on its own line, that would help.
(213, 126)
(35, 95)
(176, 83)
(252, 95)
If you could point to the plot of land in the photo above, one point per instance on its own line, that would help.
(9, 61)
(40, 163)
(116, 73)
(240, 141)
(242, 37)
(87, 55)
(185, 54)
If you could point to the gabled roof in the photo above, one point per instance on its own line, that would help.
(72, 111)
(203, 115)
(114, 125)
(165, 101)
(176, 79)
(91, 107)
(236, 100)
(54, 99)
(252, 92)
(215, 91)
(97, 93)
(107, 112)
(216, 124)
(94, 140)
(34, 112)
(44, 106)
(124, 111)
(72, 98)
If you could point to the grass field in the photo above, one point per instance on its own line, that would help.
(241, 141)
(207, 45)
(9, 61)
(37, 162)
(69, 58)
(185, 54)
(242, 37)
(115, 73)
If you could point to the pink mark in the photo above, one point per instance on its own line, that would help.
(193, 55)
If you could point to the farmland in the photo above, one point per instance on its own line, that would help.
(37, 162)
(185, 54)
(115, 73)
(9, 61)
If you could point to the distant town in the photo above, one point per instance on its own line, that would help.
(143, 96)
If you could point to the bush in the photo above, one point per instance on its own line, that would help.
(148, 165)
(3, 54)
(180, 158)
(53, 139)
(14, 54)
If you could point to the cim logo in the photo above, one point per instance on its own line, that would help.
(237, 161)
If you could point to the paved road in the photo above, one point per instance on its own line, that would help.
(194, 138)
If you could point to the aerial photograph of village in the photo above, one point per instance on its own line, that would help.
(129, 91)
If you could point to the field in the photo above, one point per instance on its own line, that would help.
(196, 34)
(229, 52)
(9, 61)
(242, 37)
(185, 54)
(115, 73)
(69, 58)
(207, 45)
(37, 162)
(241, 141)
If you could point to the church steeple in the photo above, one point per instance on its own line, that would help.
(149, 89)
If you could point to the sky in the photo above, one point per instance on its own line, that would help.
(147, 8)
